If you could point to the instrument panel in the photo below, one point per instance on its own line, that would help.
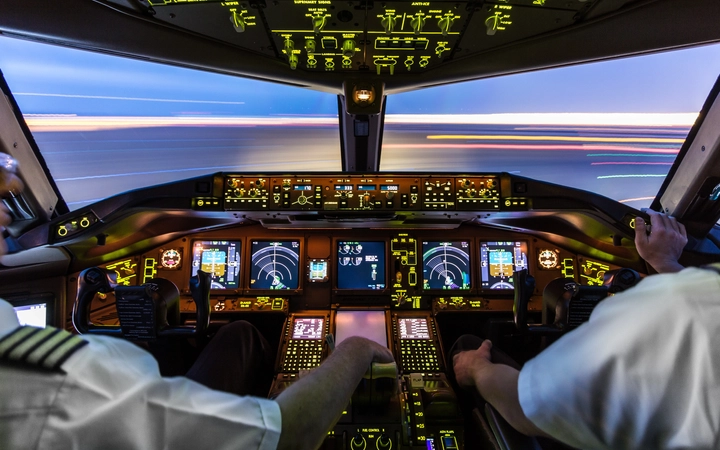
(257, 269)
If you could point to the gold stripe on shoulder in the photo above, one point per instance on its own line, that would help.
(45, 348)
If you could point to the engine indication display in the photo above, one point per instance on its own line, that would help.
(275, 264)
(446, 265)
(499, 260)
(361, 265)
(221, 259)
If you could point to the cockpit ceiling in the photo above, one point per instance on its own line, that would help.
(383, 37)
(408, 44)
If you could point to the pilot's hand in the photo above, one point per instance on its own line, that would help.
(661, 242)
(379, 353)
(8, 183)
(468, 365)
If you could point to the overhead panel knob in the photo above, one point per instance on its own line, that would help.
(310, 46)
(445, 24)
(238, 21)
(388, 23)
(348, 48)
(318, 23)
(417, 23)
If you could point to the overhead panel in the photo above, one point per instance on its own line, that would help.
(380, 37)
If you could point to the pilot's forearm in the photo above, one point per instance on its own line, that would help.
(498, 384)
(314, 403)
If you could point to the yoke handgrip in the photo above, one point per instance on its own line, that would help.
(90, 282)
(200, 290)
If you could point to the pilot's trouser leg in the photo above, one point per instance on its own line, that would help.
(237, 360)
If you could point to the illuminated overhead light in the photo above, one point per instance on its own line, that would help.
(364, 95)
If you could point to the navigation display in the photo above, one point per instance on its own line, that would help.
(498, 261)
(308, 328)
(446, 264)
(361, 265)
(413, 328)
(368, 324)
(275, 264)
(221, 259)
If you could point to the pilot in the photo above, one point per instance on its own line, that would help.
(87, 392)
(642, 373)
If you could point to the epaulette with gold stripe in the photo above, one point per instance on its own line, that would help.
(46, 348)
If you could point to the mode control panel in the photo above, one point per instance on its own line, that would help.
(360, 193)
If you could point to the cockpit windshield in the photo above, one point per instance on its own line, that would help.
(606, 127)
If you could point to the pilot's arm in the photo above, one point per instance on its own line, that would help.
(312, 405)
(497, 383)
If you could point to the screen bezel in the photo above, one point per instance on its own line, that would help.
(241, 277)
(487, 290)
(336, 271)
(275, 292)
(449, 292)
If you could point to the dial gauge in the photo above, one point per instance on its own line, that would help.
(171, 259)
(548, 259)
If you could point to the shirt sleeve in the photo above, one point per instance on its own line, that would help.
(114, 397)
(637, 375)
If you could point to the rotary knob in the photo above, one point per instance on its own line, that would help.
(358, 442)
(302, 199)
(383, 443)
(492, 184)
(253, 192)
(390, 195)
(471, 192)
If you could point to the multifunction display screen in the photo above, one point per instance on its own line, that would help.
(32, 315)
(221, 259)
(361, 265)
(446, 264)
(275, 264)
(308, 328)
(368, 324)
(413, 328)
(498, 261)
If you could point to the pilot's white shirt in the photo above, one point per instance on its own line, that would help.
(112, 396)
(643, 373)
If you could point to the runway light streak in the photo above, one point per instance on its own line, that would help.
(630, 163)
(194, 169)
(638, 199)
(509, 137)
(134, 99)
(640, 175)
(628, 155)
(531, 147)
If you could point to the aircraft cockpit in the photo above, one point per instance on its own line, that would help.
(176, 235)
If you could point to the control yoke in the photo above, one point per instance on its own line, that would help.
(524, 287)
(143, 310)
(571, 302)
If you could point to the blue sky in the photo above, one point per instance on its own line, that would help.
(54, 80)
